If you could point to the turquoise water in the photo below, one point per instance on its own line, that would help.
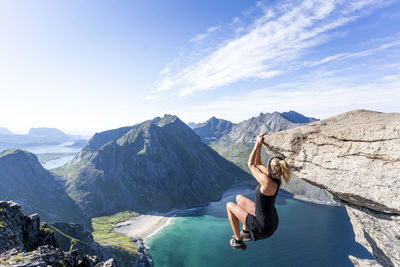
(308, 235)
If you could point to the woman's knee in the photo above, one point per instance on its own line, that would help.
(229, 205)
(239, 199)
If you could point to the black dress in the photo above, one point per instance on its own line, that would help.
(264, 224)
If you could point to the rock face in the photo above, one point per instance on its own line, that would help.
(143, 259)
(356, 157)
(18, 230)
(23, 179)
(378, 232)
(73, 236)
(364, 262)
(156, 165)
(24, 242)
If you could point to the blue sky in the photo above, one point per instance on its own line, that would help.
(86, 66)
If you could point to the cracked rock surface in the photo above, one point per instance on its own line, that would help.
(378, 232)
(355, 156)
(24, 242)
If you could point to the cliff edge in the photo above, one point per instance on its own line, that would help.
(26, 242)
(356, 157)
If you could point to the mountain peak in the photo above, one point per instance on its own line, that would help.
(212, 129)
(17, 153)
(155, 165)
(168, 118)
(296, 117)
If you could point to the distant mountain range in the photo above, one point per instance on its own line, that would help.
(159, 164)
(238, 139)
(246, 131)
(35, 137)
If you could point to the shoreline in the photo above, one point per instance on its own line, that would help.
(145, 226)
(169, 221)
(149, 224)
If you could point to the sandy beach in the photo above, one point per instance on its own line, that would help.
(144, 226)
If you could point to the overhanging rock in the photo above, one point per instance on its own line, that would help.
(355, 156)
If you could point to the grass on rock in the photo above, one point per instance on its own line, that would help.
(103, 232)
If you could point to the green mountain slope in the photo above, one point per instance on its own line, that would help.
(156, 165)
(23, 179)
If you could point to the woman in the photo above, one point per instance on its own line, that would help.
(260, 217)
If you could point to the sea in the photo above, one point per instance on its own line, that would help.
(308, 235)
(61, 148)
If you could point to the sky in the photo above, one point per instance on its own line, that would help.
(89, 66)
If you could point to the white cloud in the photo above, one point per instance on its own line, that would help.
(323, 98)
(202, 36)
(267, 48)
(345, 56)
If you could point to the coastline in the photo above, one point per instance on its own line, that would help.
(145, 225)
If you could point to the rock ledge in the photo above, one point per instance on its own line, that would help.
(356, 157)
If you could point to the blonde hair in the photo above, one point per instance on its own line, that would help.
(281, 167)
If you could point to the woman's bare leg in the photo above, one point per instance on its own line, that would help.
(247, 205)
(236, 214)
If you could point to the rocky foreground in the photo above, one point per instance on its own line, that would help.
(356, 157)
(25, 242)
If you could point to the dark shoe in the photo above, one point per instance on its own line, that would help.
(237, 244)
(245, 235)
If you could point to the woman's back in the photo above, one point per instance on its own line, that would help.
(264, 202)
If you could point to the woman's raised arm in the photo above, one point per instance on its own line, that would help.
(255, 156)
(260, 176)
(258, 155)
